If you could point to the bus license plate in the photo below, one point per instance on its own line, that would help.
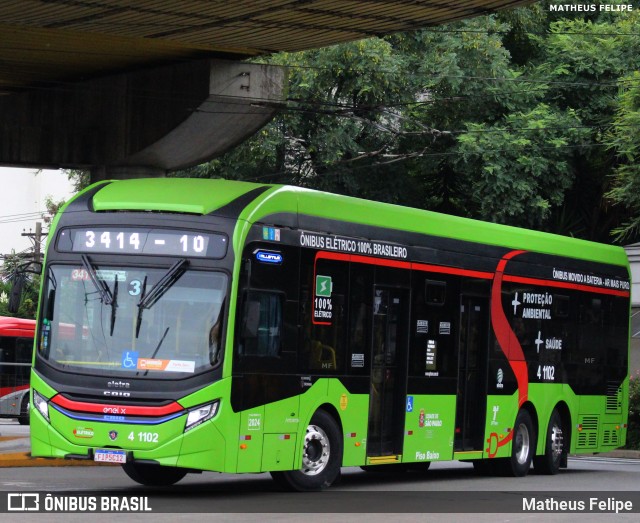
(110, 456)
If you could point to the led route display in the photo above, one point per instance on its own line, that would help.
(106, 240)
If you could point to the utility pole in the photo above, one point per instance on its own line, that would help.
(36, 247)
(37, 241)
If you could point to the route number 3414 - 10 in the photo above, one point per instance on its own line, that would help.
(144, 437)
(546, 372)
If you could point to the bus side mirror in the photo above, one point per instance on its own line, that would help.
(15, 296)
(251, 319)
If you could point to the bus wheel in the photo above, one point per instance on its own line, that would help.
(23, 419)
(522, 446)
(550, 461)
(321, 457)
(153, 475)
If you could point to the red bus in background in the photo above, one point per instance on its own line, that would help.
(16, 346)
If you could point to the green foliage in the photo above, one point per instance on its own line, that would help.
(528, 168)
(13, 266)
(79, 178)
(52, 208)
(633, 430)
(516, 118)
(624, 139)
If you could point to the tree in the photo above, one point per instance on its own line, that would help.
(584, 57)
(504, 117)
(530, 168)
(14, 268)
(80, 178)
(624, 139)
(338, 121)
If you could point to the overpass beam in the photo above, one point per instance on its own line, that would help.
(142, 123)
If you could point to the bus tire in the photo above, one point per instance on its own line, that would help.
(23, 419)
(482, 467)
(423, 466)
(153, 475)
(321, 457)
(394, 469)
(522, 446)
(554, 450)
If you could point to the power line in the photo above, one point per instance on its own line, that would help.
(345, 166)
(23, 217)
(348, 113)
(21, 214)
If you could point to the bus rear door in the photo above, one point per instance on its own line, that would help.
(472, 373)
(388, 374)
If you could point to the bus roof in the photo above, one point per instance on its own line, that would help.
(17, 327)
(204, 196)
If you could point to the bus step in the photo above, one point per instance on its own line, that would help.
(379, 460)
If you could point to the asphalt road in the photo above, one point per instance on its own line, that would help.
(449, 491)
(445, 490)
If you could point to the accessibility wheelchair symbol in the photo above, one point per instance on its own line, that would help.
(130, 360)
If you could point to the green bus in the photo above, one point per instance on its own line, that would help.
(243, 328)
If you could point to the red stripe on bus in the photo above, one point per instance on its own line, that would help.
(565, 285)
(384, 262)
(8, 390)
(333, 256)
(110, 408)
(507, 339)
(452, 270)
(357, 258)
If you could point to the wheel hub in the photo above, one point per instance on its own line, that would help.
(557, 442)
(522, 444)
(316, 451)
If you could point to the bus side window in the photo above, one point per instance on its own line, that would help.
(561, 306)
(7, 350)
(261, 324)
(24, 347)
(435, 292)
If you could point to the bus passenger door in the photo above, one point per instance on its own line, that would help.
(388, 371)
(472, 373)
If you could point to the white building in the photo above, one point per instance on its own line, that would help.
(633, 253)
(23, 193)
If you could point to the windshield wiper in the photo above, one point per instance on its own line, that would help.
(103, 289)
(114, 306)
(106, 296)
(164, 284)
(140, 309)
(155, 352)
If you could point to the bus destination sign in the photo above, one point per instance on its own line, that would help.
(106, 240)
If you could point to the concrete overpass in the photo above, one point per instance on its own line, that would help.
(140, 88)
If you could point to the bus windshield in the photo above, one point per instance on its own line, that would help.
(139, 321)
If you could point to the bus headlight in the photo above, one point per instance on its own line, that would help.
(201, 414)
(41, 403)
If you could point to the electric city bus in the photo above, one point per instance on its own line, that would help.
(16, 345)
(242, 328)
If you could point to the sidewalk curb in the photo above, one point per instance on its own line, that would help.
(24, 459)
(620, 453)
(15, 453)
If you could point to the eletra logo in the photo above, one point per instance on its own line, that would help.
(118, 384)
